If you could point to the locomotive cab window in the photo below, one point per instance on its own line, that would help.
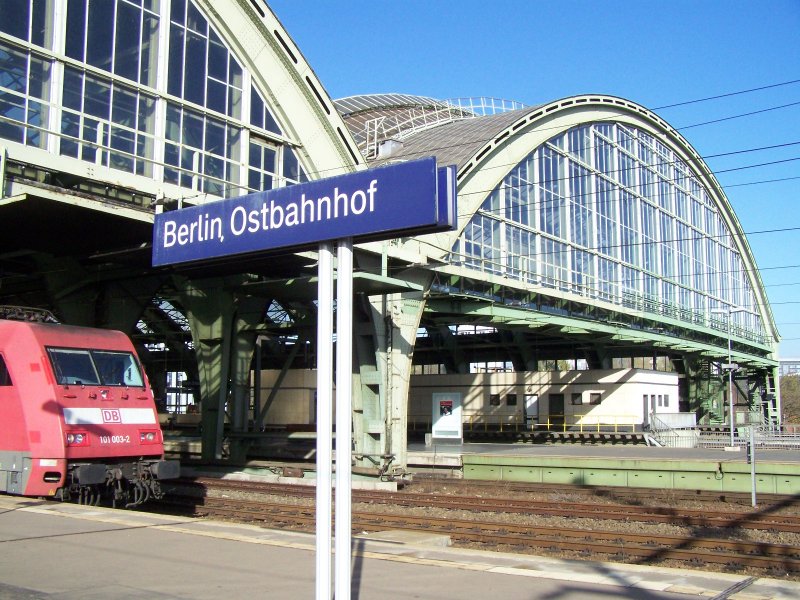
(118, 368)
(95, 367)
(5, 378)
(73, 367)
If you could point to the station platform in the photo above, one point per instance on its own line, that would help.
(777, 470)
(69, 552)
(627, 465)
(441, 454)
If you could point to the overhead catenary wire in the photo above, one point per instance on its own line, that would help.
(675, 278)
(748, 114)
(478, 142)
(654, 167)
(614, 117)
(434, 149)
(763, 181)
(716, 271)
(559, 202)
(729, 94)
(630, 189)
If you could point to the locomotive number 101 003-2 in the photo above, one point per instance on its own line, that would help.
(115, 439)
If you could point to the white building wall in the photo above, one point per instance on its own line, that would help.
(294, 403)
(491, 399)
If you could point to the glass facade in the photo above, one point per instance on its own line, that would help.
(142, 86)
(605, 211)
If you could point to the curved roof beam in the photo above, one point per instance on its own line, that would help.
(294, 93)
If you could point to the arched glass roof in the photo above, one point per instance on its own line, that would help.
(606, 211)
(598, 199)
(153, 89)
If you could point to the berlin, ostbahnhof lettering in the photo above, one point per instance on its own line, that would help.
(370, 204)
(271, 215)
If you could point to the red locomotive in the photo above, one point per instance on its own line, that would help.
(77, 416)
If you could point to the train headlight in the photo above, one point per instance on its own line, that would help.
(77, 438)
(148, 437)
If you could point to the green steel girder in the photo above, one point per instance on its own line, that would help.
(453, 285)
(224, 326)
(487, 312)
(114, 299)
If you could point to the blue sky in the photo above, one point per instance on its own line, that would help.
(654, 53)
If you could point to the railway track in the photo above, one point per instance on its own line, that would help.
(766, 519)
(708, 544)
(620, 494)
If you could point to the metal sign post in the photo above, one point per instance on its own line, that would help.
(344, 409)
(324, 419)
(751, 456)
(410, 198)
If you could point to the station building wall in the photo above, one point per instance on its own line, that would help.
(619, 397)
(609, 397)
(295, 400)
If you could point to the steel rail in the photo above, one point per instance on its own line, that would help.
(764, 519)
(643, 547)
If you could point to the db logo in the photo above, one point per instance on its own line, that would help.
(111, 415)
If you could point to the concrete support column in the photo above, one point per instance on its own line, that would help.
(455, 361)
(774, 400)
(397, 334)
(598, 357)
(530, 361)
(222, 325)
(385, 331)
(368, 388)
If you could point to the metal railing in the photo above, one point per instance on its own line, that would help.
(662, 433)
(102, 153)
(763, 437)
(552, 423)
(426, 115)
(521, 267)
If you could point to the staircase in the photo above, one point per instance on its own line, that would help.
(664, 435)
(769, 404)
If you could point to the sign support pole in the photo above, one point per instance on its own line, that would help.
(344, 409)
(362, 205)
(324, 420)
(752, 457)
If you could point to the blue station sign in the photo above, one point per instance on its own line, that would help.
(409, 198)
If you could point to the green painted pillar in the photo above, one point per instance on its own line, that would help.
(210, 311)
(223, 324)
(396, 333)
(72, 291)
(80, 298)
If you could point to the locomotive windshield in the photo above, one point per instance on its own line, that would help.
(95, 367)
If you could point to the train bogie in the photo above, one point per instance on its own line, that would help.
(78, 416)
